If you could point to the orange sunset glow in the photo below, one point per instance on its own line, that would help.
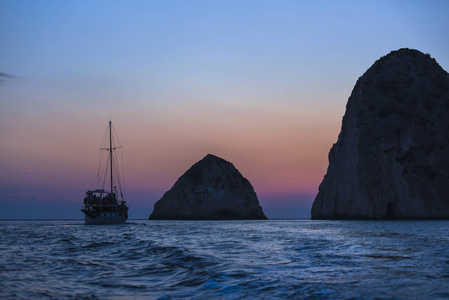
(268, 96)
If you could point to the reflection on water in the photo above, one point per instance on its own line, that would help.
(225, 259)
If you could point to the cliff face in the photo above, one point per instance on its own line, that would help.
(391, 160)
(212, 189)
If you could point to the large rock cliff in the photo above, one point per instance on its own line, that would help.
(391, 160)
(212, 189)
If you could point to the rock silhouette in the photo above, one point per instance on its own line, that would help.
(212, 189)
(391, 160)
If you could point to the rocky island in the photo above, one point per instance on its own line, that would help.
(391, 159)
(212, 189)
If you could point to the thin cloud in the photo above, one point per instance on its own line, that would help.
(4, 76)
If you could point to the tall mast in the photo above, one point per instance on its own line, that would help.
(110, 154)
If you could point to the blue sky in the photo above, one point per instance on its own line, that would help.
(262, 84)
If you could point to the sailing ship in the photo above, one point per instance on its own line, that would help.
(101, 206)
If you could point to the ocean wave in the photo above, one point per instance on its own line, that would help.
(223, 260)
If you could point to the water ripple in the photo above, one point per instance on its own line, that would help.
(283, 259)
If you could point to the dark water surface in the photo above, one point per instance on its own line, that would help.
(275, 259)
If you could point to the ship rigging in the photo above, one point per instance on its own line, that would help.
(101, 206)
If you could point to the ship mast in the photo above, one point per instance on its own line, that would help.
(110, 154)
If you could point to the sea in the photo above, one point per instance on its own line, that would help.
(271, 259)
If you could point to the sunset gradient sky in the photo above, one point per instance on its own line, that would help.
(262, 84)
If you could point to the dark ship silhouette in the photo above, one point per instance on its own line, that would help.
(101, 206)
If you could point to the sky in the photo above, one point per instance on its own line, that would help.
(262, 84)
